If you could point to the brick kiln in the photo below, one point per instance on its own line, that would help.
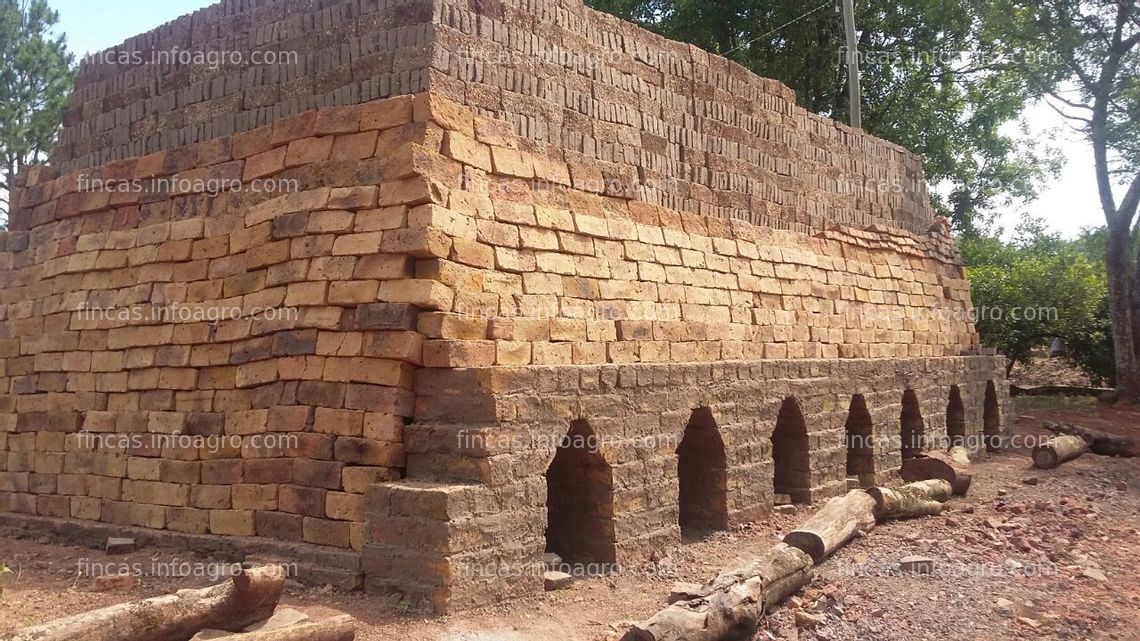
(544, 280)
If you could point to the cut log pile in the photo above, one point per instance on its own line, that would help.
(240, 610)
(729, 607)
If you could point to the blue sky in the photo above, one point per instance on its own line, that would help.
(1068, 203)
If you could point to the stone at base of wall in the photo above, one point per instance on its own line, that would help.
(308, 564)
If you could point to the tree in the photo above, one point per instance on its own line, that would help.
(1095, 84)
(35, 76)
(1034, 289)
(938, 77)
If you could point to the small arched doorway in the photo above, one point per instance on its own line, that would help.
(702, 475)
(579, 500)
(859, 435)
(790, 457)
(991, 419)
(955, 418)
(912, 428)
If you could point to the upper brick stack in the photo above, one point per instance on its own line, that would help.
(660, 121)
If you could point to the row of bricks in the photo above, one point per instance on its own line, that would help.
(272, 524)
(54, 410)
(324, 455)
(99, 473)
(164, 352)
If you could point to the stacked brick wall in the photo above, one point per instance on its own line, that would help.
(664, 122)
(448, 298)
(130, 313)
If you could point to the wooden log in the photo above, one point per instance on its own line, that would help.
(1057, 450)
(730, 606)
(834, 524)
(339, 628)
(938, 465)
(1100, 442)
(959, 454)
(247, 598)
(921, 498)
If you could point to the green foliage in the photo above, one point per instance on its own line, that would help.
(1038, 287)
(35, 76)
(938, 77)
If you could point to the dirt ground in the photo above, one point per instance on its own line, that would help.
(1029, 554)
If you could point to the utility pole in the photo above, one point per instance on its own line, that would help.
(853, 91)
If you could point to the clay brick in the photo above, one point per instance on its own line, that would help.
(445, 353)
(278, 525)
(385, 114)
(511, 162)
(385, 316)
(308, 150)
(362, 451)
(466, 150)
(264, 164)
(326, 532)
(324, 474)
(445, 113)
(344, 507)
(254, 497)
(428, 294)
(354, 146)
(337, 120)
(232, 522)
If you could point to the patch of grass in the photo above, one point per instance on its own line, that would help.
(1036, 403)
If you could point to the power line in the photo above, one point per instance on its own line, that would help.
(790, 22)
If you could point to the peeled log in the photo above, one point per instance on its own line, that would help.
(249, 597)
(938, 465)
(1057, 450)
(731, 605)
(340, 628)
(1099, 442)
(921, 498)
(834, 525)
(959, 454)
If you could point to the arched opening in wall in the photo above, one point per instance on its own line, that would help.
(860, 443)
(580, 500)
(702, 474)
(955, 418)
(991, 421)
(791, 478)
(912, 428)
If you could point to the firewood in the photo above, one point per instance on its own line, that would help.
(938, 465)
(832, 526)
(1057, 450)
(339, 628)
(921, 498)
(731, 605)
(1100, 442)
(247, 598)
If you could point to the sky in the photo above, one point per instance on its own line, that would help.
(1068, 202)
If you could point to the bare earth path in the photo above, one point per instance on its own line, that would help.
(1028, 555)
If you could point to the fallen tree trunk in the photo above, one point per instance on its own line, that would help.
(1057, 450)
(730, 606)
(1099, 442)
(832, 526)
(339, 628)
(921, 498)
(938, 465)
(248, 598)
(959, 454)
(1057, 390)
